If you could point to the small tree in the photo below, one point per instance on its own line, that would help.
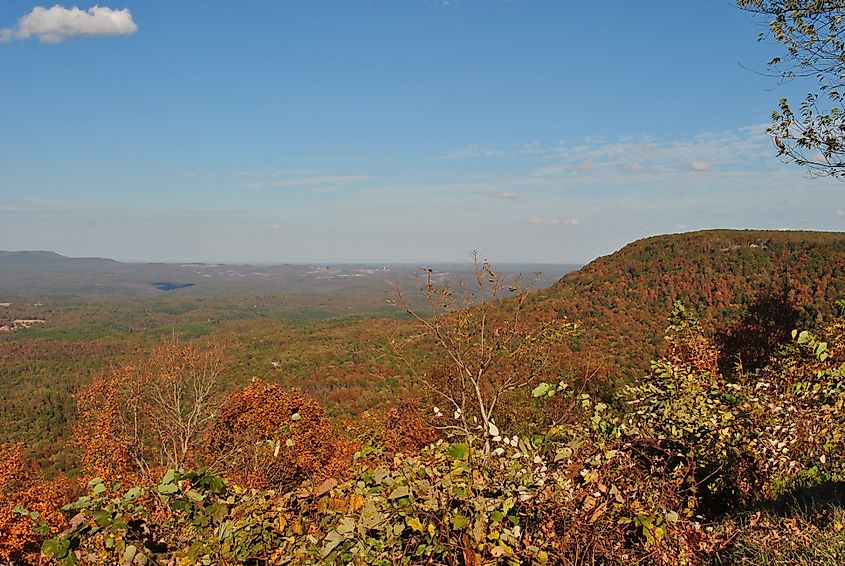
(489, 348)
(151, 414)
(811, 33)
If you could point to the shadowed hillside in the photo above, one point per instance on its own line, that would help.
(732, 278)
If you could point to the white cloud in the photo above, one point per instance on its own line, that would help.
(550, 171)
(587, 166)
(734, 151)
(57, 24)
(572, 221)
(840, 212)
(634, 167)
(509, 196)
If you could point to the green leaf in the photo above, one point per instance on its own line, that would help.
(218, 511)
(50, 548)
(458, 451)
(541, 390)
(167, 488)
(459, 522)
(194, 495)
(129, 554)
(101, 517)
(21, 511)
(133, 493)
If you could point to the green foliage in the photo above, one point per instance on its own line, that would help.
(810, 32)
(110, 518)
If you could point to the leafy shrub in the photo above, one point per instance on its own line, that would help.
(265, 436)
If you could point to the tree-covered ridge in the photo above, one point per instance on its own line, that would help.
(689, 467)
(492, 450)
(735, 279)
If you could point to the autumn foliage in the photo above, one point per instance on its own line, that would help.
(265, 436)
(148, 416)
(28, 501)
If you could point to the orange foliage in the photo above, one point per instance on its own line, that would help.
(267, 437)
(22, 486)
(144, 418)
(101, 431)
(405, 429)
(687, 344)
(696, 351)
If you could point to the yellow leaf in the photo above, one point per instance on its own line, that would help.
(356, 502)
(415, 524)
(431, 529)
(281, 523)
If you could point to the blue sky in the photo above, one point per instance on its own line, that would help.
(388, 130)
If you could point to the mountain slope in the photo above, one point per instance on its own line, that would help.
(42, 260)
(748, 286)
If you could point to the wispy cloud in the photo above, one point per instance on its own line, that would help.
(474, 151)
(57, 24)
(634, 167)
(725, 151)
(543, 221)
(840, 213)
(587, 166)
(539, 221)
(306, 182)
(274, 172)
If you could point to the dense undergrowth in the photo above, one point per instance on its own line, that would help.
(685, 466)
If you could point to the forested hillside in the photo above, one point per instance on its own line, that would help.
(685, 465)
(460, 436)
(750, 287)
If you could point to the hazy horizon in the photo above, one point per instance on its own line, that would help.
(374, 263)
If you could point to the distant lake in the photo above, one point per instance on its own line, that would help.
(170, 286)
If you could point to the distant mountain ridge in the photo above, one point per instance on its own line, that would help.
(46, 274)
(47, 258)
(732, 277)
